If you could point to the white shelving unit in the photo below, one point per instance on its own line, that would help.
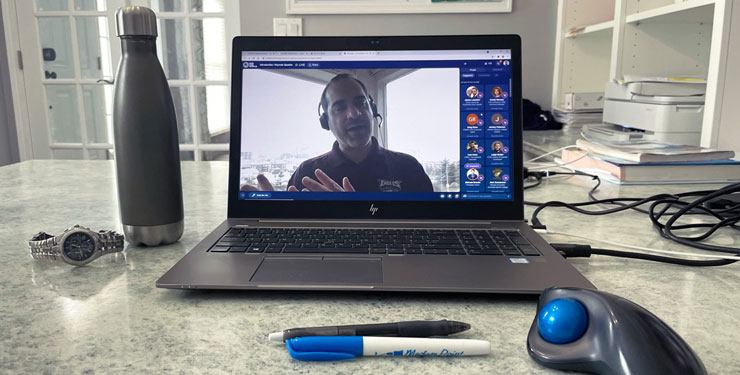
(602, 40)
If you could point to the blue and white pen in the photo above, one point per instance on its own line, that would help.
(333, 348)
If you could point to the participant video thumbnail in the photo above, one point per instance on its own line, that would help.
(498, 152)
(473, 150)
(498, 179)
(497, 99)
(472, 124)
(472, 97)
(497, 124)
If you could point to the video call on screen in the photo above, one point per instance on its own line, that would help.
(358, 129)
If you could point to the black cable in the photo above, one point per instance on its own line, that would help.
(725, 216)
(658, 200)
(541, 174)
(614, 201)
(666, 230)
(575, 250)
(592, 197)
(716, 213)
(658, 258)
(538, 183)
(574, 206)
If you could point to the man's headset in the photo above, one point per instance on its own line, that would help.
(323, 117)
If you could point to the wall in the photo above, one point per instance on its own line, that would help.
(534, 20)
(8, 139)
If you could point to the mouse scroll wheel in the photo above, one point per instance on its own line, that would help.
(562, 321)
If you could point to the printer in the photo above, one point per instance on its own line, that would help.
(657, 109)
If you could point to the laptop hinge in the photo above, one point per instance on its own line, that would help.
(384, 222)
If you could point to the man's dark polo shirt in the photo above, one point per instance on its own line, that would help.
(382, 171)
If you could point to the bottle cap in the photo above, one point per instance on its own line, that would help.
(136, 20)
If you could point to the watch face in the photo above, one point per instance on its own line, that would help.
(78, 246)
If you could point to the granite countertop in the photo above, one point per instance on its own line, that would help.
(108, 317)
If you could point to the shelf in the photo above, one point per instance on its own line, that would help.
(608, 25)
(694, 11)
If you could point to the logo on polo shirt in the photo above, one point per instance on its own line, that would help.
(389, 186)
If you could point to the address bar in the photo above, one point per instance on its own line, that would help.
(364, 57)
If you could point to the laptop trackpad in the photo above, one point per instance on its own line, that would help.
(331, 270)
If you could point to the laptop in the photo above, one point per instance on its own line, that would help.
(375, 164)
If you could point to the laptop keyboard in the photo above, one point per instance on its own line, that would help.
(375, 241)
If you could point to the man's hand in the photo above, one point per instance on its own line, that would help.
(325, 183)
(264, 185)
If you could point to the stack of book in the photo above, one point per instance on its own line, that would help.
(578, 118)
(649, 162)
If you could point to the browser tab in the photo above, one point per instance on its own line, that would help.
(445, 55)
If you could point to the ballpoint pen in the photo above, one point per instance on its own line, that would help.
(418, 328)
(333, 348)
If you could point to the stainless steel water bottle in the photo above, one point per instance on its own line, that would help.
(145, 128)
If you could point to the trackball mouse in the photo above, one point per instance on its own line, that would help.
(589, 331)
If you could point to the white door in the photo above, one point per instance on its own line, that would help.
(70, 53)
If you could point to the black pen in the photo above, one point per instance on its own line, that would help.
(417, 328)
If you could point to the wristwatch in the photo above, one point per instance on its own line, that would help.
(77, 245)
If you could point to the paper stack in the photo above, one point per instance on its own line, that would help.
(578, 118)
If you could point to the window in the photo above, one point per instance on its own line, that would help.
(414, 120)
(194, 47)
(70, 55)
(293, 135)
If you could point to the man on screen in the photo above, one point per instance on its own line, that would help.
(356, 161)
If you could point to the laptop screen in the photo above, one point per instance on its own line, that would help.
(376, 125)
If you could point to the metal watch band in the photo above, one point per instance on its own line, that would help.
(42, 246)
(110, 241)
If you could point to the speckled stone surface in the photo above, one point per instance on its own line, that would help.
(109, 318)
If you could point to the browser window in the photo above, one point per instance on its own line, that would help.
(358, 125)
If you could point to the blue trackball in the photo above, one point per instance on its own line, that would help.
(562, 320)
